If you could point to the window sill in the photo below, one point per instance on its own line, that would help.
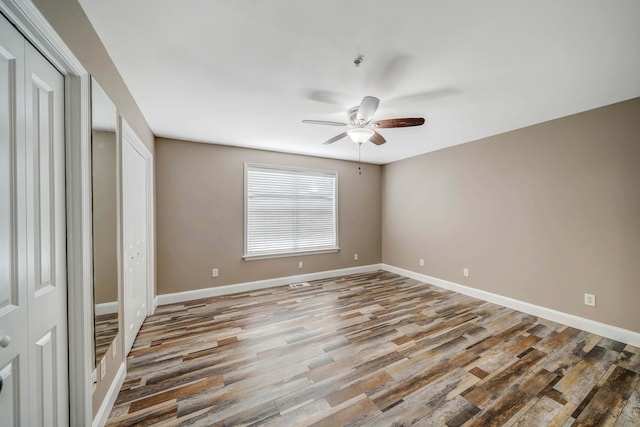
(290, 254)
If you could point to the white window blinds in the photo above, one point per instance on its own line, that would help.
(289, 211)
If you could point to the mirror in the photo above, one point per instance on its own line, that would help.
(105, 219)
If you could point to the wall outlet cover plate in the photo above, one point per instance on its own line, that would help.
(590, 300)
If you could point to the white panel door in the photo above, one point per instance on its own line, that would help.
(14, 356)
(135, 213)
(33, 288)
(46, 241)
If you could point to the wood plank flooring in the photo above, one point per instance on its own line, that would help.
(371, 349)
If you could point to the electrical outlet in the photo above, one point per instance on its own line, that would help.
(214, 272)
(590, 299)
(355, 257)
(300, 264)
(103, 368)
(465, 272)
(421, 262)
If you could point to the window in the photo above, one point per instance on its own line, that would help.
(289, 211)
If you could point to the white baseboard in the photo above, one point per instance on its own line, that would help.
(260, 284)
(107, 404)
(155, 304)
(598, 328)
(106, 308)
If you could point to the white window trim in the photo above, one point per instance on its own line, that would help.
(310, 171)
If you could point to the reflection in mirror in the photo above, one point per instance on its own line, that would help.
(105, 219)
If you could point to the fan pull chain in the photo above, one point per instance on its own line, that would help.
(359, 168)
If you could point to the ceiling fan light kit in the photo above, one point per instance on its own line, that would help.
(360, 135)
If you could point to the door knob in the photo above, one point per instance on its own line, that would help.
(5, 341)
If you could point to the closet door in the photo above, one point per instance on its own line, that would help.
(46, 242)
(14, 355)
(135, 212)
(33, 287)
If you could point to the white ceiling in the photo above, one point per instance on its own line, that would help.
(246, 72)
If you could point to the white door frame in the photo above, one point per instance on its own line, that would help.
(34, 27)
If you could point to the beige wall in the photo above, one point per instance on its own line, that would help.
(70, 22)
(199, 196)
(541, 214)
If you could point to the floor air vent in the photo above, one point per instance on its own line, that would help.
(298, 285)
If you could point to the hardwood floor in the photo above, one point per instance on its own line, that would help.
(371, 349)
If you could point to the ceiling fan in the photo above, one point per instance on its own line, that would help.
(361, 128)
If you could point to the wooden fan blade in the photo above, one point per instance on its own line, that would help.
(335, 138)
(323, 122)
(367, 109)
(400, 123)
(377, 139)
